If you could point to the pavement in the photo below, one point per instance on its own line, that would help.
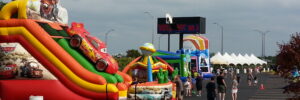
(273, 85)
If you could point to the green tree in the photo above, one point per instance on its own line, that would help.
(133, 53)
(271, 60)
(212, 54)
(123, 61)
(2, 4)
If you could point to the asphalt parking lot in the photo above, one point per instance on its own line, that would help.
(273, 89)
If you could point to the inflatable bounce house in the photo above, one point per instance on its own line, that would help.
(150, 77)
(193, 58)
(179, 60)
(41, 56)
(198, 48)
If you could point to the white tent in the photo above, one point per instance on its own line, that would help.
(229, 59)
(242, 60)
(259, 61)
(238, 61)
(250, 60)
(218, 59)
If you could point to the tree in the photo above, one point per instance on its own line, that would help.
(123, 61)
(133, 53)
(289, 54)
(2, 4)
(288, 59)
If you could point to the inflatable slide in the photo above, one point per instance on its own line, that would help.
(47, 37)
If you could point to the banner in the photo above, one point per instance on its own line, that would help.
(17, 63)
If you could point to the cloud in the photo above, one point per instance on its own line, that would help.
(239, 18)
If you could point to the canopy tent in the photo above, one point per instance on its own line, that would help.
(242, 60)
(259, 61)
(232, 59)
(218, 59)
(229, 59)
(250, 60)
(238, 61)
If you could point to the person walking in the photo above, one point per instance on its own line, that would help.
(238, 78)
(255, 81)
(188, 87)
(179, 87)
(218, 71)
(225, 72)
(221, 86)
(237, 71)
(234, 88)
(211, 89)
(249, 78)
(199, 81)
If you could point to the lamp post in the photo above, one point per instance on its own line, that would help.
(106, 34)
(263, 41)
(222, 36)
(148, 13)
(159, 41)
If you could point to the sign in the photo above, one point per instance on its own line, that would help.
(185, 25)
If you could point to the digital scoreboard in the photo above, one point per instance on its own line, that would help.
(181, 25)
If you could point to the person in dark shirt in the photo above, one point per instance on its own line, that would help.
(221, 86)
(238, 77)
(199, 80)
(211, 89)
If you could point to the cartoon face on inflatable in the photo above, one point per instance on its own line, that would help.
(8, 71)
(48, 9)
(92, 48)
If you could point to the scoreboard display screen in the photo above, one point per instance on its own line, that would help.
(185, 25)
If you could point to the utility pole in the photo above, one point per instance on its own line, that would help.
(263, 42)
(222, 36)
(106, 36)
(148, 13)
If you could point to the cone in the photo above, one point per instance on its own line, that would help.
(261, 87)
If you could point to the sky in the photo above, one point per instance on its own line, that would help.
(132, 27)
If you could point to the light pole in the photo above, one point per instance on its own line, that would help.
(110, 30)
(263, 41)
(148, 13)
(222, 36)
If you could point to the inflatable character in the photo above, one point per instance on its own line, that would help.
(151, 75)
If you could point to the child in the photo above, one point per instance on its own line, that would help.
(255, 80)
(234, 88)
(188, 87)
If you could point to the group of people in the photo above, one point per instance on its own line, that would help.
(216, 87)
(221, 88)
(186, 88)
(252, 79)
(212, 87)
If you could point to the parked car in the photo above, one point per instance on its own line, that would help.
(8, 71)
(31, 70)
(93, 48)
